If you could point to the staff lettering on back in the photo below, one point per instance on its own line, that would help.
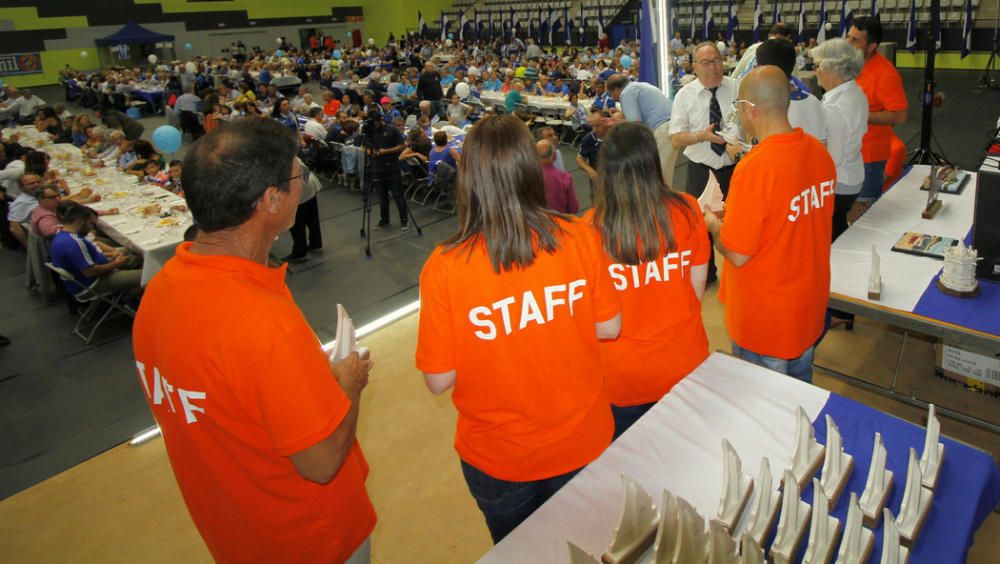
(812, 198)
(552, 296)
(653, 271)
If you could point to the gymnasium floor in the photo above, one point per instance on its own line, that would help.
(62, 403)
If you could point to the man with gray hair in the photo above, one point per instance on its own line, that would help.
(560, 195)
(641, 101)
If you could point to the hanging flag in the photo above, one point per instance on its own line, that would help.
(504, 24)
(936, 25)
(600, 20)
(123, 51)
(706, 8)
(462, 22)
(444, 26)
(582, 25)
(821, 34)
(538, 38)
(489, 24)
(733, 23)
(515, 23)
(911, 28)
(421, 24)
(777, 13)
(802, 20)
(967, 29)
(554, 29)
(875, 10)
(692, 21)
(531, 27)
(552, 25)
(673, 20)
(846, 18)
(647, 62)
(475, 23)
(567, 24)
(758, 21)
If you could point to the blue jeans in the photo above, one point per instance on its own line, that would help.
(626, 416)
(871, 190)
(800, 367)
(505, 504)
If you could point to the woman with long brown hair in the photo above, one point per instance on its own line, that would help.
(658, 247)
(512, 308)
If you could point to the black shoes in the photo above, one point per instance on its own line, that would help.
(382, 224)
(405, 227)
(294, 257)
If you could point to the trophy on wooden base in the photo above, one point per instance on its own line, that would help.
(858, 541)
(750, 551)
(807, 454)
(892, 551)
(721, 546)
(792, 524)
(875, 277)
(764, 509)
(736, 487)
(930, 459)
(837, 464)
(578, 555)
(636, 526)
(878, 486)
(933, 196)
(665, 543)
(823, 530)
(692, 540)
(916, 503)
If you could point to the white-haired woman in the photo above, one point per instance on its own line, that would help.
(838, 63)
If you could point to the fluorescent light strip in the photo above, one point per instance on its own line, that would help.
(360, 332)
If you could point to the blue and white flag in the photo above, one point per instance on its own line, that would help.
(846, 18)
(554, 30)
(875, 10)
(515, 23)
(583, 25)
(758, 21)
(532, 30)
(567, 24)
(706, 9)
(489, 25)
(600, 20)
(967, 29)
(802, 20)
(552, 25)
(476, 23)
(821, 34)
(462, 23)
(123, 51)
(421, 24)
(777, 13)
(733, 24)
(673, 20)
(693, 19)
(444, 26)
(911, 28)
(647, 62)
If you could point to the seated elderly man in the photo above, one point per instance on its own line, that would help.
(44, 219)
(89, 267)
(559, 192)
(19, 211)
(427, 110)
(23, 107)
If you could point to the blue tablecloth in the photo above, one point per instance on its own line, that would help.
(153, 98)
(981, 313)
(968, 487)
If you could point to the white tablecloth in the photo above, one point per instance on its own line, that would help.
(543, 102)
(904, 276)
(676, 446)
(154, 237)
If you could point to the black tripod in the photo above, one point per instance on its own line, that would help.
(988, 80)
(924, 154)
(367, 187)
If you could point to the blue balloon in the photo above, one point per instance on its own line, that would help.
(167, 138)
(337, 54)
(451, 36)
(626, 62)
(187, 46)
(279, 53)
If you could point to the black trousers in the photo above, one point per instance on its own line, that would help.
(841, 206)
(697, 179)
(384, 185)
(306, 218)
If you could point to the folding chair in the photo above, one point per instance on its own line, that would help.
(444, 182)
(93, 300)
(417, 177)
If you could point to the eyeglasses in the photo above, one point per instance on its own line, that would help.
(736, 104)
(52, 197)
(303, 173)
(710, 62)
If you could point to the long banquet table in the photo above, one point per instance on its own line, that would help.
(677, 446)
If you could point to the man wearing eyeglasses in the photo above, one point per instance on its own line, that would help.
(641, 101)
(44, 221)
(701, 110)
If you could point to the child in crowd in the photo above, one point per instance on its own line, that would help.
(154, 174)
(174, 181)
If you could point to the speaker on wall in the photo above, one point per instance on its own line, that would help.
(986, 221)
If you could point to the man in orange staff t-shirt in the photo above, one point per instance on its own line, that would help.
(887, 104)
(776, 236)
(259, 427)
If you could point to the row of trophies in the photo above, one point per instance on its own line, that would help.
(675, 533)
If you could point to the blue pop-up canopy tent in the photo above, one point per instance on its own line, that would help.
(131, 44)
(132, 34)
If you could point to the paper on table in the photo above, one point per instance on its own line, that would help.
(345, 342)
(711, 198)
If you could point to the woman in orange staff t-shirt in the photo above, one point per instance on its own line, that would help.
(660, 283)
(511, 309)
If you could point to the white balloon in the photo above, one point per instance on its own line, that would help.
(448, 43)
(462, 89)
(371, 41)
(191, 68)
(152, 59)
(829, 26)
(84, 54)
(721, 46)
(278, 41)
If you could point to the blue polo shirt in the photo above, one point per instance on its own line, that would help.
(74, 253)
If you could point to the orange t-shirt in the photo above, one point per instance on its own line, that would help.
(529, 389)
(332, 107)
(779, 212)
(662, 338)
(883, 87)
(237, 382)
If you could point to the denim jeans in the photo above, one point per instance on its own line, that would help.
(871, 190)
(800, 367)
(626, 416)
(505, 504)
